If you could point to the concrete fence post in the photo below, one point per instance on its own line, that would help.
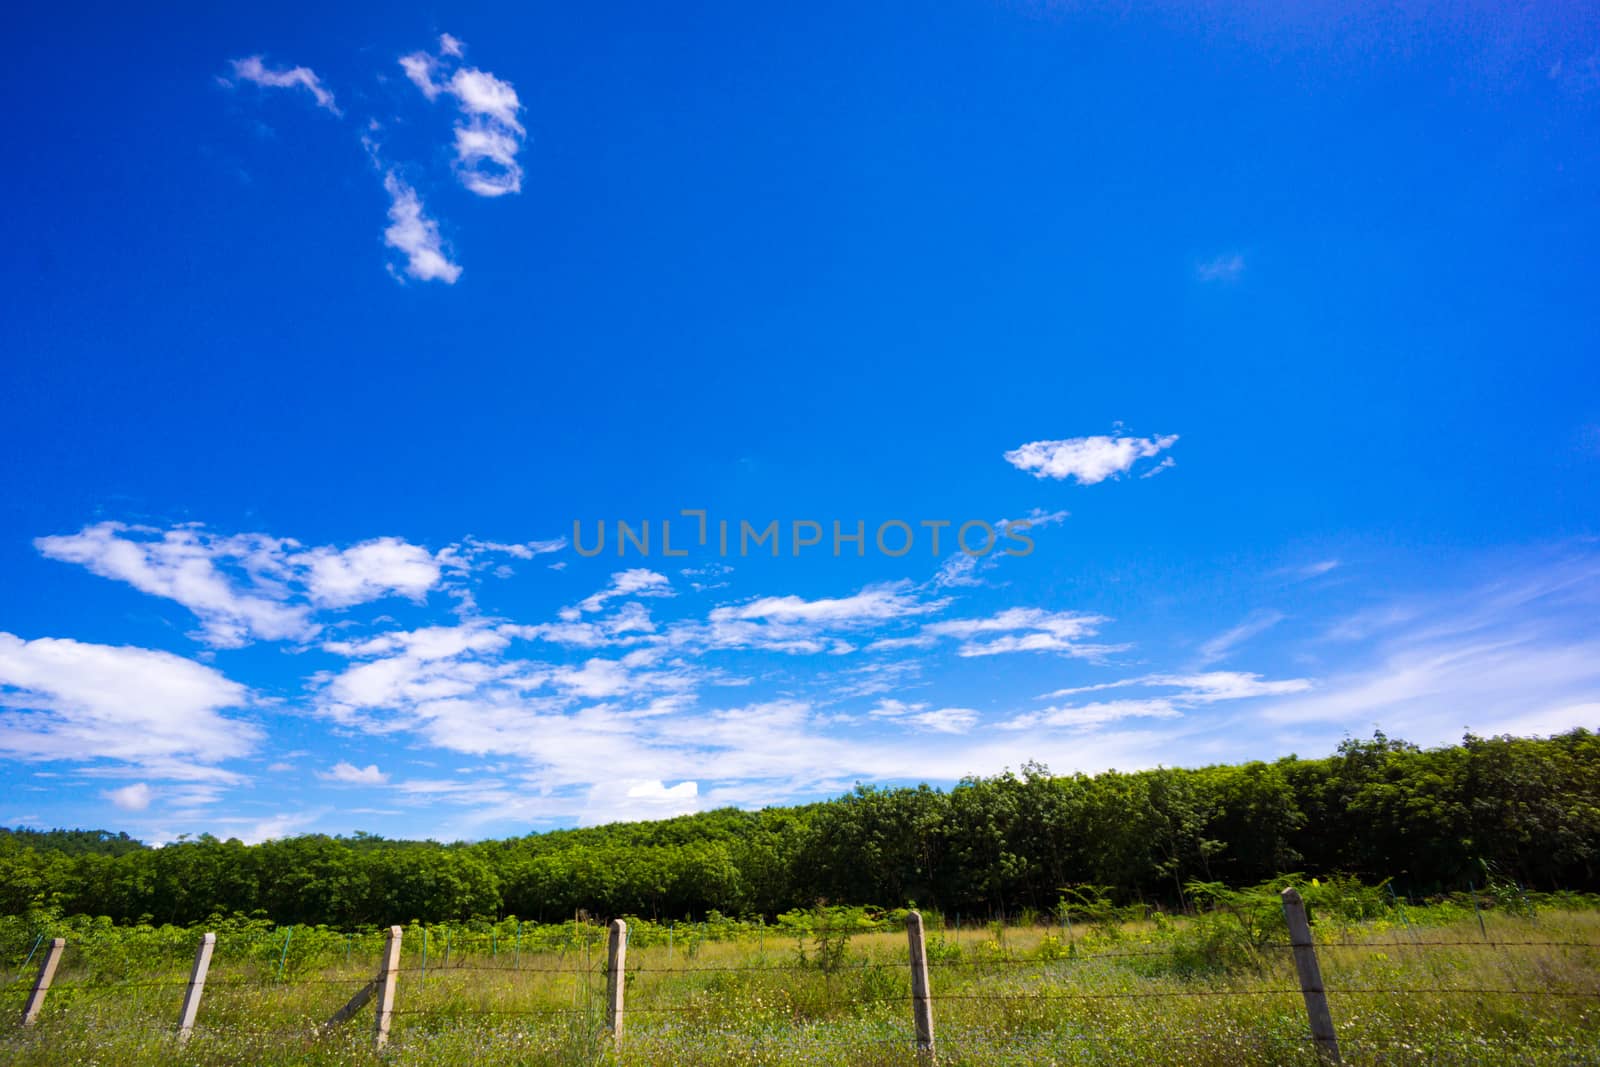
(1305, 962)
(41, 985)
(616, 977)
(921, 1005)
(197, 987)
(388, 973)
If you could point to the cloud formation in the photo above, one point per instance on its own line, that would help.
(67, 700)
(247, 587)
(489, 135)
(1225, 268)
(1086, 460)
(412, 232)
(347, 773)
(487, 140)
(252, 69)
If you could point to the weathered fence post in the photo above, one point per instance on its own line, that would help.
(41, 985)
(1305, 962)
(387, 974)
(197, 987)
(616, 977)
(921, 1005)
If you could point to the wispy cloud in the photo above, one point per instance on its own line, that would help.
(1206, 687)
(252, 69)
(1093, 715)
(1223, 645)
(1086, 460)
(1187, 691)
(1225, 268)
(1025, 630)
(1517, 653)
(637, 581)
(922, 717)
(183, 564)
(244, 587)
(487, 141)
(1307, 571)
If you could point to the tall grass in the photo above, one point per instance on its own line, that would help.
(1426, 986)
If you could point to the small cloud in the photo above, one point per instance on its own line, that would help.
(411, 231)
(1222, 269)
(1091, 716)
(939, 720)
(135, 797)
(1221, 646)
(1579, 78)
(1087, 460)
(636, 582)
(251, 69)
(1165, 465)
(349, 774)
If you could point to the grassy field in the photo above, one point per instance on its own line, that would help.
(1429, 986)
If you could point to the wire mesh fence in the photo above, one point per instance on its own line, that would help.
(1091, 1004)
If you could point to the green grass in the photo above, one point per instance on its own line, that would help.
(1144, 993)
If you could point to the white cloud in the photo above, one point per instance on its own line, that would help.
(182, 565)
(630, 625)
(637, 582)
(798, 626)
(635, 799)
(1165, 465)
(251, 69)
(490, 135)
(1090, 716)
(371, 570)
(1212, 686)
(1203, 688)
(938, 720)
(483, 95)
(247, 586)
(1518, 653)
(274, 828)
(135, 797)
(1221, 646)
(961, 569)
(518, 550)
(66, 700)
(1224, 268)
(411, 231)
(479, 143)
(1088, 460)
(349, 774)
(428, 643)
(872, 604)
(1026, 630)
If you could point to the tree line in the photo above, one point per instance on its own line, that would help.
(1517, 809)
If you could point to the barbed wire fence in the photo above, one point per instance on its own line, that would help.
(382, 990)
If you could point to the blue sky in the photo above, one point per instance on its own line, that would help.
(323, 330)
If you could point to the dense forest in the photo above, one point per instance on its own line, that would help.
(1520, 809)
